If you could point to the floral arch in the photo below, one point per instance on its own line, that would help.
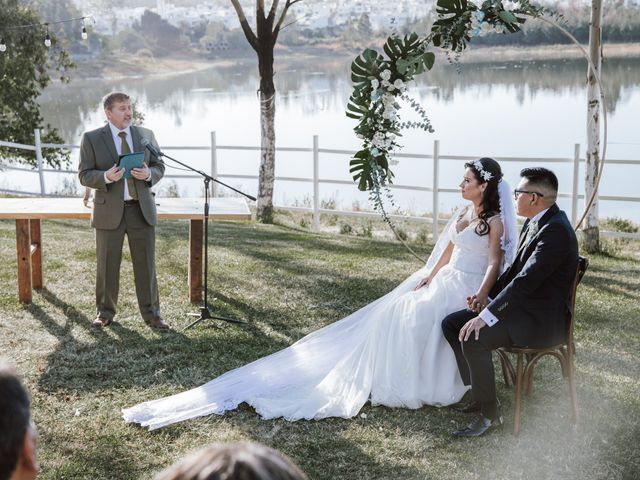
(380, 80)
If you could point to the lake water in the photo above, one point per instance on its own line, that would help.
(513, 109)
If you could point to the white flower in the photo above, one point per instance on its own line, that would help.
(386, 74)
(509, 6)
(391, 87)
(486, 29)
(375, 84)
(483, 173)
(388, 99)
(375, 152)
(398, 84)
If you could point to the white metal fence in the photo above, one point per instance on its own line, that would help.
(315, 153)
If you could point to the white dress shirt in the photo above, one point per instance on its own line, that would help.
(486, 315)
(118, 143)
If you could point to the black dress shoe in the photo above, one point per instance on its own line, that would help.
(479, 426)
(470, 407)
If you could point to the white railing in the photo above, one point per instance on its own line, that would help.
(316, 151)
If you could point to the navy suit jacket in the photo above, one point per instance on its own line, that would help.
(532, 296)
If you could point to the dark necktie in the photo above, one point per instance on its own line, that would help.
(124, 148)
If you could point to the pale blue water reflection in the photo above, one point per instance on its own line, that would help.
(523, 109)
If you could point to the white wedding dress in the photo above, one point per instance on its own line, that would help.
(391, 352)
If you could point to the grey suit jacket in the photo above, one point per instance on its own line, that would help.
(97, 154)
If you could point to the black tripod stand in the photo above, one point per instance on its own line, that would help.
(205, 312)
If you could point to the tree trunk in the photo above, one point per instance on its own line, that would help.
(591, 231)
(263, 42)
(268, 135)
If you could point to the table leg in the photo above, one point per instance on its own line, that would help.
(196, 229)
(36, 255)
(23, 247)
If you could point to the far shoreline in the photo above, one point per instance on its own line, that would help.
(135, 67)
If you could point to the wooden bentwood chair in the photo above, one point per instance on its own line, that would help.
(526, 358)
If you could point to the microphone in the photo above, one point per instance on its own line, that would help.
(152, 148)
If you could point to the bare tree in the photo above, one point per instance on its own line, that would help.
(268, 26)
(591, 229)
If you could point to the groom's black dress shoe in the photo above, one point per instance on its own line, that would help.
(479, 426)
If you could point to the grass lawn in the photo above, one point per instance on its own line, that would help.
(288, 282)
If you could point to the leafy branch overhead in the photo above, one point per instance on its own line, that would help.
(24, 73)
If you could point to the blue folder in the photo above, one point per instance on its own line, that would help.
(128, 161)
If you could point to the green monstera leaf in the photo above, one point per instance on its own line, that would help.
(363, 167)
(408, 54)
(366, 66)
(396, 47)
(450, 30)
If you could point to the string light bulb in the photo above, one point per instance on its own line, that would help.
(84, 33)
(3, 46)
(47, 38)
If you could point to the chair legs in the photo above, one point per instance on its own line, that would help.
(507, 369)
(522, 377)
(519, 382)
(572, 388)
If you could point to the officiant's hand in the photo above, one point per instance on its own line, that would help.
(141, 173)
(424, 282)
(114, 173)
(473, 325)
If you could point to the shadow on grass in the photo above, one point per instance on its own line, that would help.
(91, 359)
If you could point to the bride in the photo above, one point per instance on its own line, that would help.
(392, 351)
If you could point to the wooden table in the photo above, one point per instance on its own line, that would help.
(28, 212)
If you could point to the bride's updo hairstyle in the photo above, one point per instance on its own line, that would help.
(490, 197)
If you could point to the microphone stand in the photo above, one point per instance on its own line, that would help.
(205, 312)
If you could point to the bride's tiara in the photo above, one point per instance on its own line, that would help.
(483, 173)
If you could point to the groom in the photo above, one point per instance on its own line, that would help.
(530, 299)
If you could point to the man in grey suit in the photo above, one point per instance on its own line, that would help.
(120, 207)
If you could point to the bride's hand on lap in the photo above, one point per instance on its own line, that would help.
(423, 283)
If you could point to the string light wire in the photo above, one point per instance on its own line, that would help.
(46, 25)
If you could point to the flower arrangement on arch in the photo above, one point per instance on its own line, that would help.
(381, 80)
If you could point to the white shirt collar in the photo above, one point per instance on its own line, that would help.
(538, 216)
(115, 131)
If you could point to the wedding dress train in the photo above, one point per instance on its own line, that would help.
(391, 352)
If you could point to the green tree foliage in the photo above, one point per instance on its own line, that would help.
(218, 38)
(154, 33)
(25, 71)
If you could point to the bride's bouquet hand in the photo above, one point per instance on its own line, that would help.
(423, 283)
(477, 302)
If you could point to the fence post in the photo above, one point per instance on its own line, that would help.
(316, 184)
(214, 164)
(38, 146)
(574, 192)
(436, 166)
